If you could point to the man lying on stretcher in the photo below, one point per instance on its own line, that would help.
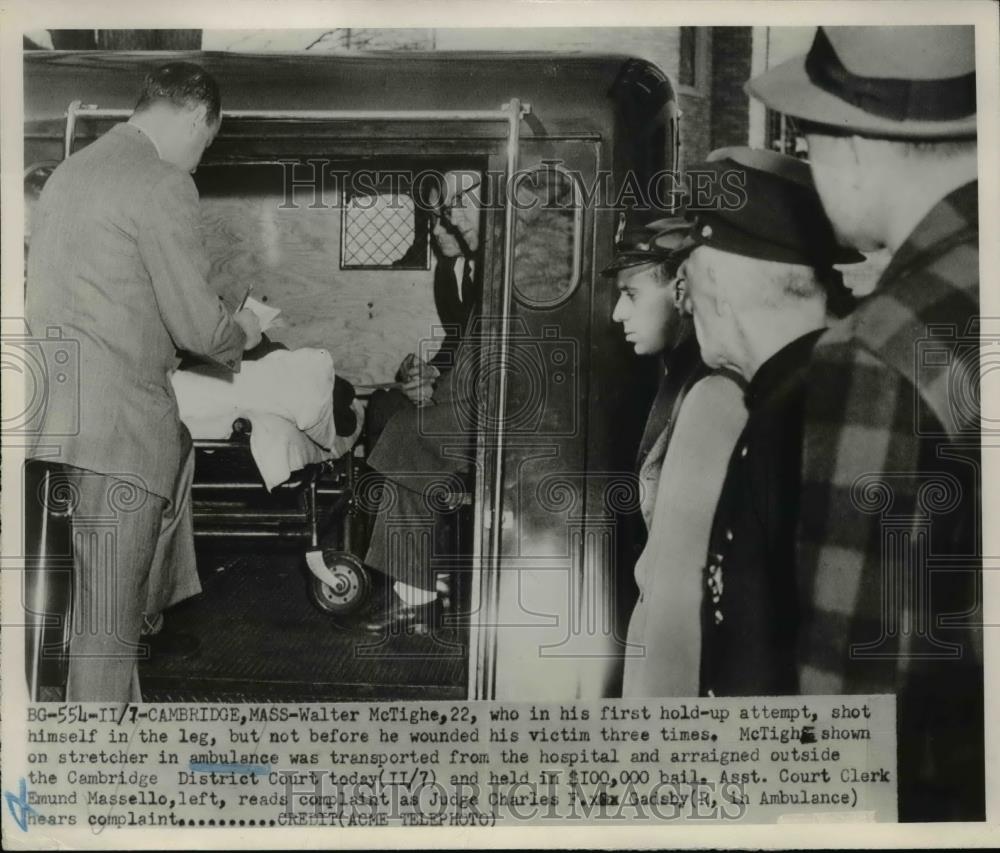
(344, 415)
(294, 423)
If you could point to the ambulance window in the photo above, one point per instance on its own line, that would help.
(548, 237)
(383, 231)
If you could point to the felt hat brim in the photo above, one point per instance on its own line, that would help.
(788, 89)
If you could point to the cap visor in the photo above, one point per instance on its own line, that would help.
(632, 259)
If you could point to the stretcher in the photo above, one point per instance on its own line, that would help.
(279, 484)
(317, 506)
(281, 469)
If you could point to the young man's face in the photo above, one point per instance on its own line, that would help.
(646, 309)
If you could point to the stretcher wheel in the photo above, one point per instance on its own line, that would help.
(347, 588)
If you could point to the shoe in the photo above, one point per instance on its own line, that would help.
(167, 644)
(399, 618)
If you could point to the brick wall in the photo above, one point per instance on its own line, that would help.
(696, 124)
(730, 70)
(716, 112)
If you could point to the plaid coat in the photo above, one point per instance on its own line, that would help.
(889, 553)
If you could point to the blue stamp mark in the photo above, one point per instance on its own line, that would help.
(18, 806)
(253, 769)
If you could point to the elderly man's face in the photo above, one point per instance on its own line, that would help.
(846, 187)
(712, 323)
(457, 222)
(646, 309)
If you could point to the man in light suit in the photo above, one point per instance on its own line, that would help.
(691, 428)
(644, 274)
(116, 264)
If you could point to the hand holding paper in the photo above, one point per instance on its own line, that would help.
(267, 315)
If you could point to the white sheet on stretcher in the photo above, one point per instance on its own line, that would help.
(288, 398)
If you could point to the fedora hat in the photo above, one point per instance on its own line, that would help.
(891, 82)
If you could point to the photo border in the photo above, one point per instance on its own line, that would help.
(18, 16)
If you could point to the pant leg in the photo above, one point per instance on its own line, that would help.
(381, 407)
(115, 527)
(402, 543)
(174, 572)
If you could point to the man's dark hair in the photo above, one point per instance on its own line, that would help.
(182, 84)
(668, 268)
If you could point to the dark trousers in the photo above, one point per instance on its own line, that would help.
(413, 531)
(411, 540)
(382, 405)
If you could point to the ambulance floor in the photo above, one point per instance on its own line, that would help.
(261, 640)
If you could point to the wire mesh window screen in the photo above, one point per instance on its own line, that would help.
(381, 231)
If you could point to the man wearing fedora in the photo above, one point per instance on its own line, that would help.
(692, 425)
(756, 282)
(889, 566)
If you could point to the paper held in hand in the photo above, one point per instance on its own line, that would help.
(267, 315)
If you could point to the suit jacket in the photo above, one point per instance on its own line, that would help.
(455, 306)
(436, 438)
(417, 444)
(117, 266)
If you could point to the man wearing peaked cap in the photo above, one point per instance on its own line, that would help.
(889, 114)
(796, 231)
(771, 212)
(756, 284)
(645, 273)
(689, 433)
